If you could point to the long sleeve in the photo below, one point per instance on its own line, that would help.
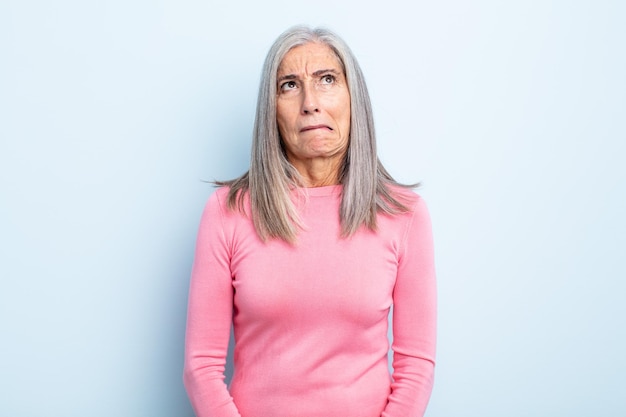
(414, 321)
(310, 320)
(209, 318)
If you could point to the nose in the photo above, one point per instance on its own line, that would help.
(310, 102)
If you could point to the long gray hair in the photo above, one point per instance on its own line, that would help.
(271, 177)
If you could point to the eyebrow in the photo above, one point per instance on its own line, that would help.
(316, 74)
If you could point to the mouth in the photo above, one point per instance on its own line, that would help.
(307, 128)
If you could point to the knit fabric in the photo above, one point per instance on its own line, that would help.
(311, 319)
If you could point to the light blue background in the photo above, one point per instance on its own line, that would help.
(512, 113)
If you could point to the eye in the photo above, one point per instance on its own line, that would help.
(288, 85)
(328, 79)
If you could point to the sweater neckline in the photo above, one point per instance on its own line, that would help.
(321, 191)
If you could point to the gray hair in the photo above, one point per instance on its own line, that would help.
(271, 176)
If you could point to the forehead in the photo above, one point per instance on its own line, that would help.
(309, 58)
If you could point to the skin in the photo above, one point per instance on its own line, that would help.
(313, 112)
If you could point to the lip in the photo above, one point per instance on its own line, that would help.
(314, 127)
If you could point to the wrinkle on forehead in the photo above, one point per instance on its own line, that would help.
(312, 60)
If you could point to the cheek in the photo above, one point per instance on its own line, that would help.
(281, 127)
(285, 133)
(344, 106)
(283, 120)
(346, 116)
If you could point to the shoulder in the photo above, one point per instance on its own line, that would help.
(217, 201)
(406, 210)
(216, 207)
(414, 218)
(220, 196)
(416, 224)
(221, 205)
(412, 200)
(222, 219)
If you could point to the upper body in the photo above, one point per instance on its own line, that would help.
(310, 320)
(305, 255)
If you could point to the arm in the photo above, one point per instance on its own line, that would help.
(414, 321)
(209, 319)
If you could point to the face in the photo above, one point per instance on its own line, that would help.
(313, 105)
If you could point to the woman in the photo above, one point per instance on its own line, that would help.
(306, 253)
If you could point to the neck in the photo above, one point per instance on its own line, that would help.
(318, 172)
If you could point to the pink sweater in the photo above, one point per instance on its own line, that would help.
(310, 320)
